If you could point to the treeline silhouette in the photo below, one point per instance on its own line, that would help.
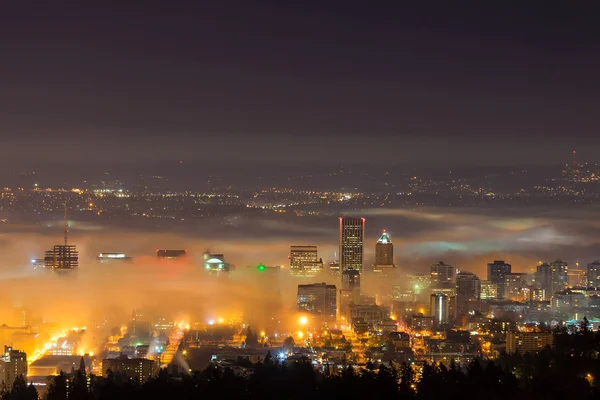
(569, 369)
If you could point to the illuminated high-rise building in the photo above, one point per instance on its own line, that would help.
(440, 309)
(352, 233)
(496, 273)
(384, 251)
(468, 288)
(304, 260)
(593, 274)
(559, 275)
(13, 363)
(442, 274)
(513, 283)
(62, 257)
(543, 280)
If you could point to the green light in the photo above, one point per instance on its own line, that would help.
(261, 267)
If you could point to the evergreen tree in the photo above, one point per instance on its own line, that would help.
(57, 389)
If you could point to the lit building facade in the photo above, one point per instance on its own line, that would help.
(62, 257)
(527, 342)
(13, 363)
(304, 260)
(215, 262)
(170, 254)
(489, 291)
(468, 289)
(440, 309)
(384, 252)
(543, 279)
(112, 257)
(560, 272)
(318, 298)
(593, 274)
(496, 273)
(513, 283)
(442, 273)
(352, 232)
(140, 368)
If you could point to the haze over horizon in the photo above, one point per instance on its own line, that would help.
(209, 82)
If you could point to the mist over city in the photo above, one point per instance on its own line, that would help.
(292, 200)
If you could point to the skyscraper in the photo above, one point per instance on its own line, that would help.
(352, 232)
(304, 260)
(543, 279)
(560, 279)
(593, 274)
(496, 273)
(442, 274)
(440, 309)
(384, 251)
(468, 288)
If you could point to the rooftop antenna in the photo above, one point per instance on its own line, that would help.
(574, 158)
(66, 225)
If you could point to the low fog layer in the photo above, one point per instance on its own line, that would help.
(97, 292)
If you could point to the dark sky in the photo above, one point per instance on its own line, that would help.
(299, 82)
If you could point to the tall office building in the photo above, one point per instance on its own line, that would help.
(593, 274)
(543, 280)
(318, 298)
(468, 288)
(13, 363)
(352, 233)
(62, 257)
(440, 309)
(496, 273)
(442, 273)
(513, 283)
(384, 251)
(560, 279)
(305, 261)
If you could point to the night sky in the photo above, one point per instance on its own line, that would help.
(293, 82)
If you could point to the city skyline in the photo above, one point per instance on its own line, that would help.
(299, 200)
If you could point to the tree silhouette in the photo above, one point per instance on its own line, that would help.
(251, 338)
(57, 389)
(20, 391)
(289, 344)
